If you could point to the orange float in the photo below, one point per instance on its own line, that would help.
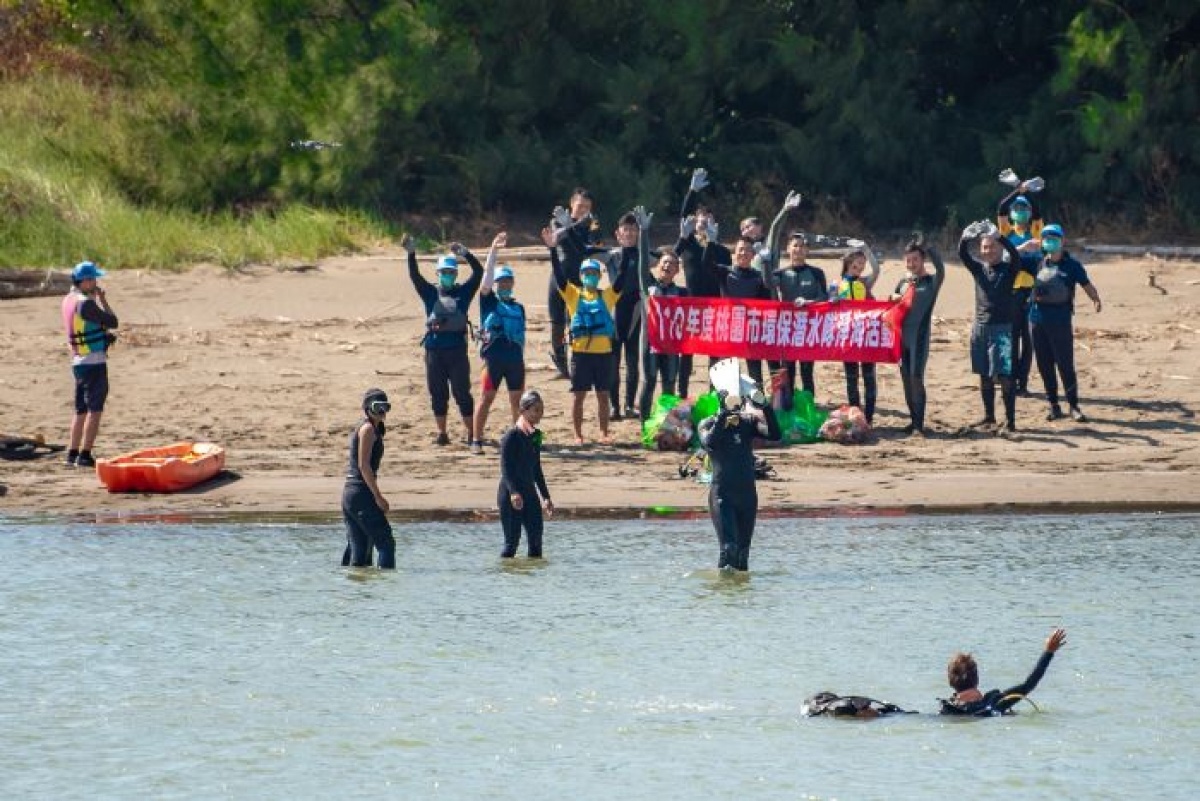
(167, 469)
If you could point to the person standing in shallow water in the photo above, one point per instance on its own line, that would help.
(522, 494)
(364, 508)
(728, 436)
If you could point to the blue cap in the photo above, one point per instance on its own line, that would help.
(447, 264)
(591, 264)
(85, 270)
(503, 272)
(1021, 200)
(1053, 230)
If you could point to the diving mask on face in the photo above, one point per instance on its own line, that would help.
(1051, 244)
(379, 407)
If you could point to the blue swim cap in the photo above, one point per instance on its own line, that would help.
(504, 272)
(1021, 200)
(447, 264)
(1053, 230)
(85, 270)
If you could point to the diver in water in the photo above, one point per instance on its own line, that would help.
(849, 706)
(963, 675)
(728, 436)
(363, 506)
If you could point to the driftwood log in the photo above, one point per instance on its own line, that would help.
(33, 283)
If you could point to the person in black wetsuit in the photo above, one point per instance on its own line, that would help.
(522, 480)
(656, 366)
(364, 508)
(799, 283)
(698, 232)
(921, 290)
(963, 675)
(996, 307)
(447, 366)
(743, 282)
(627, 317)
(728, 436)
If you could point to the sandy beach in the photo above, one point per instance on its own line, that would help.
(271, 363)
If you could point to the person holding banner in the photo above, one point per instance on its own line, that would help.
(591, 331)
(854, 285)
(742, 281)
(919, 289)
(628, 338)
(728, 436)
(658, 365)
(800, 283)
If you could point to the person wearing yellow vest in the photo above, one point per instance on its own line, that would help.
(1019, 218)
(88, 321)
(590, 332)
(855, 284)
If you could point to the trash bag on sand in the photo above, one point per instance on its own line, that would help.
(669, 427)
(801, 423)
(847, 425)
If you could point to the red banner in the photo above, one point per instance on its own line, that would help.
(847, 331)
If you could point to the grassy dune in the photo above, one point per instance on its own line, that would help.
(59, 203)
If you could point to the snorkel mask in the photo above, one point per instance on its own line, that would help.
(589, 274)
(375, 402)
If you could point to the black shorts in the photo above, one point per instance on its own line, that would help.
(592, 371)
(91, 387)
(510, 373)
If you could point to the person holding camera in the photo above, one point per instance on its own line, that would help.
(728, 437)
(88, 320)
(447, 366)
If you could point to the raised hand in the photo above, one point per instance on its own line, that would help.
(712, 231)
(792, 200)
(1056, 640)
(643, 217)
(408, 244)
(500, 240)
(561, 217)
(687, 226)
(550, 237)
(856, 243)
(458, 249)
(699, 179)
(971, 231)
(1008, 177)
(1035, 184)
(987, 228)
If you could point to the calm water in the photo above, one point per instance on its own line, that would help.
(219, 660)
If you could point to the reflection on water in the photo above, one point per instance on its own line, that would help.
(238, 660)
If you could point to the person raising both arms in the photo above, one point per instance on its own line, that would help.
(364, 509)
(922, 288)
(797, 274)
(962, 673)
(576, 233)
(695, 246)
(1050, 325)
(995, 309)
(591, 330)
(447, 366)
(502, 339)
(1019, 218)
(88, 320)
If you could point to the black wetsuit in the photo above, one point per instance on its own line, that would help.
(915, 336)
(521, 474)
(733, 497)
(743, 283)
(701, 282)
(367, 526)
(628, 320)
(447, 366)
(792, 284)
(660, 366)
(1000, 702)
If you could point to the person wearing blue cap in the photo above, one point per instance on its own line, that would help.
(1050, 323)
(364, 509)
(447, 366)
(1019, 218)
(502, 339)
(88, 320)
(576, 237)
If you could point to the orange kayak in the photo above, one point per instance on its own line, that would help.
(167, 469)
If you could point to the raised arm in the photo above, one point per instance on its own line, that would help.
(1055, 641)
(698, 182)
(768, 262)
(939, 266)
(472, 284)
(422, 286)
(489, 268)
